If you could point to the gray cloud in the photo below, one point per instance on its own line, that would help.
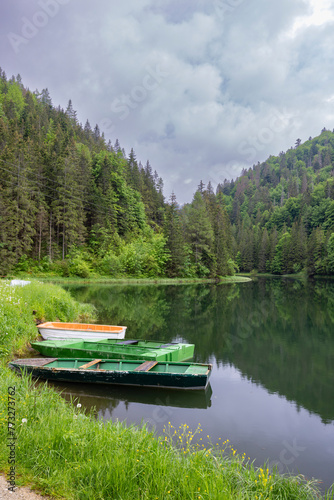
(201, 88)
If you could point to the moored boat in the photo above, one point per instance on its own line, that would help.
(116, 349)
(58, 330)
(120, 372)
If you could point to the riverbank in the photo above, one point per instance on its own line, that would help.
(132, 281)
(66, 453)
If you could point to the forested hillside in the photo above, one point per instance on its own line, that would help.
(282, 210)
(73, 204)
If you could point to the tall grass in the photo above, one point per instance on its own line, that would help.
(21, 307)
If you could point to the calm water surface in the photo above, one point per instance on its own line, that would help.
(271, 342)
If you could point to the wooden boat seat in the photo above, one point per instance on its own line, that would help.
(127, 342)
(146, 366)
(35, 361)
(91, 363)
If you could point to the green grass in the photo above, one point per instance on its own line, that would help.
(135, 281)
(65, 453)
(20, 307)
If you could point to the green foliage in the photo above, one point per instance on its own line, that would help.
(12, 101)
(23, 264)
(292, 193)
(21, 306)
(51, 301)
(79, 267)
(330, 254)
(62, 188)
(72, 205)
(175, 240)
(145, 257)
(111, 265)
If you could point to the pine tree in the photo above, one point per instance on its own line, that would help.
(45, 98)
(201, 187)
(117, 146)
(316, 253)
(297, 254)
(264, 252)
(17, 207)
(200, 235)
(96, 133)
(222, 240)
(134, 178)
(175, 241)
(88, 129)
(68, 208)
(71, 113)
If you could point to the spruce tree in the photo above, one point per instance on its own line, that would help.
(71, 113)
(200, 236)
(175, 240)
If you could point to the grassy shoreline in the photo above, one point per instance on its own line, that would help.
(65, 453)
(132, 281)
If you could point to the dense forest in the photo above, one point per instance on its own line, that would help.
(72, 203)
(282, 210)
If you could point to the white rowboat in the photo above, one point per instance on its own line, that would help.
(57, 330)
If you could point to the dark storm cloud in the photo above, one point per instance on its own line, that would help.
(201, 88)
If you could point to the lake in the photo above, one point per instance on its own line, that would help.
(271, 343)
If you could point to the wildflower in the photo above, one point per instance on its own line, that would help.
(24, 420)
(79, 405)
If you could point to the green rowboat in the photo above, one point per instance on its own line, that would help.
(121, 372)
(115, 349)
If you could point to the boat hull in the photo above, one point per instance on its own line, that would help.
(80, 331)
(189, 376)
(113, 349)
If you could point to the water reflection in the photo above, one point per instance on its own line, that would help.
(278, 333)
(107, 398)
(272, 345)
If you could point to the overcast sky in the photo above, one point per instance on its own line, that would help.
(201, 88)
